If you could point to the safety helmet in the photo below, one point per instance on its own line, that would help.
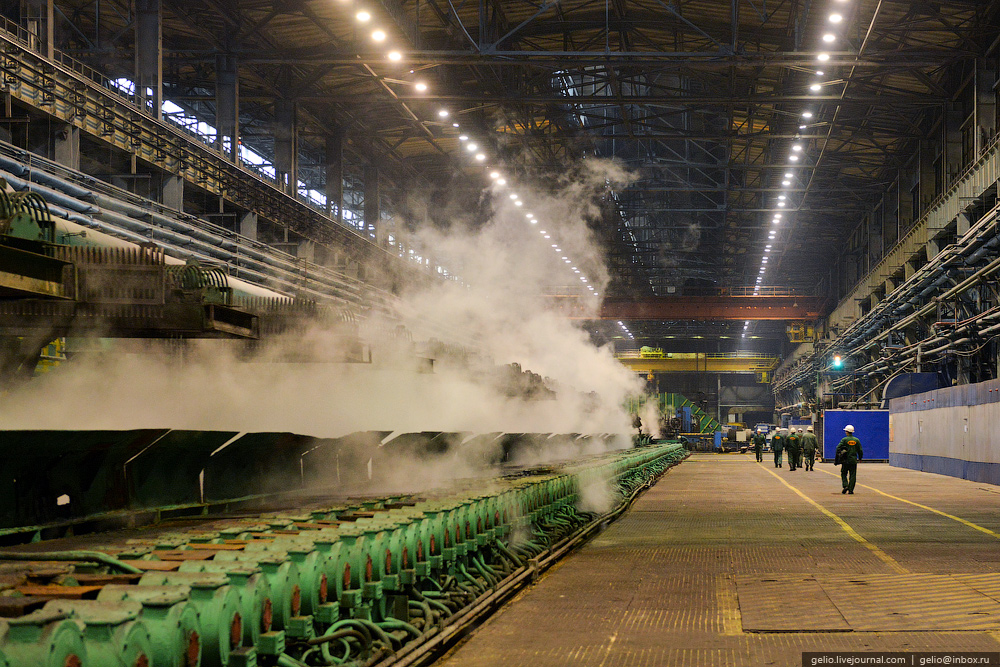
(849, 428)
(800, 430)
(809, 428)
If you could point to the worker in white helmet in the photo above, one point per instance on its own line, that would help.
(809, 446)
(848, 454)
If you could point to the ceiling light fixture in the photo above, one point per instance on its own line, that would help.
(823, 57)
(494, 174)
(829, 38)
(379, 35)
(421, 87)
(480, 157)
(815, 87)
(443, 113)
(363, 17)
(396, 56)
(836, 18)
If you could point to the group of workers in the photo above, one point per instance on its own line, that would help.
(802, 445)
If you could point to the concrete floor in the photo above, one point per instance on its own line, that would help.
(730, 562)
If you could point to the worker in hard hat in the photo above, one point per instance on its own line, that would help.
(794, 449)
(848, 454)
(798, 461)
(809, 446)
(758, 445)
(777, 446)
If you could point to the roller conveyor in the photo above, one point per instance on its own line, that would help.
(386, 580)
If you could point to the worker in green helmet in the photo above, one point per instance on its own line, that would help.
(848, 454)
(809, 446)
(777, 446)
(794, 449)
(758, 445)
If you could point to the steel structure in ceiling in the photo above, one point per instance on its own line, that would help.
(701, 100)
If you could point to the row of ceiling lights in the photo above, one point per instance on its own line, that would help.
(835, 19)
(379, 35)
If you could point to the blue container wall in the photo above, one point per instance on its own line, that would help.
(871, 427)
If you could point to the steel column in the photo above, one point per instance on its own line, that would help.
(149, 55)
(227, 104)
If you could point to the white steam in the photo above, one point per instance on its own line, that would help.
(500, 312)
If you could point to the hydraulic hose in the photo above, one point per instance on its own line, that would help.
(396, 624)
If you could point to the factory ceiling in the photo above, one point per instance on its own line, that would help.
(726, 112)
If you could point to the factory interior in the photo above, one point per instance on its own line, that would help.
(396, 333)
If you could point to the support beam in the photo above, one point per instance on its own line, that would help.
(675, 308)
(149, 55)
(373, 209)
(247, 225)
(172, 192)
(66, 145)
(227, 105)
(286, 145)
(335, 175)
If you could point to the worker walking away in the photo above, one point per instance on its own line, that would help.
(758, 445)
(798, 461)
(793, 448)
(848, 454)
(809, 446)
(777, 446)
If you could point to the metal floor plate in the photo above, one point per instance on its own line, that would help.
(924, 602)
(787, 603)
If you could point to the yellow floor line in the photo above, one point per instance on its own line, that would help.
(881, 555)
(925, 507)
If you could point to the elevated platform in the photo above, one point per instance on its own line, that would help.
(726, 562)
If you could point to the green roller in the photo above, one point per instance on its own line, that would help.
(364, 597)
(44, 638)
(169, 616)
(254, 591)
(377, 548)
(218, 606)
(336, 559)
(433, 529)
(112, 633)
(282, 575)
(313, 578)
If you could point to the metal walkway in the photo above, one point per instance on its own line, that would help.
(726, 562)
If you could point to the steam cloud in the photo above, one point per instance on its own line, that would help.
(506, 267)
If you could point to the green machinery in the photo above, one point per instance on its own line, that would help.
(340, 584)
(691, 418)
